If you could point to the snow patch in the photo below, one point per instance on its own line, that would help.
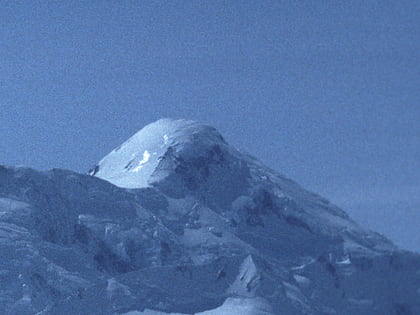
(146, 156)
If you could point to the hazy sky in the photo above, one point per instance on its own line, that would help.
(326, 92)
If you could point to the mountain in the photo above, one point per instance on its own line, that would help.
(177, 221)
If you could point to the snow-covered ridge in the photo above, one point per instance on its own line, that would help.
(185, 158)
(176, 221)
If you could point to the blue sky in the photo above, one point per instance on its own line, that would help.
(326, 92)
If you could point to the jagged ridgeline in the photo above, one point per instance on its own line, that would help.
(177, 221)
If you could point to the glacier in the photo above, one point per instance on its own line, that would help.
(177, 221)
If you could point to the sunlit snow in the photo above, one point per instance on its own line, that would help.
(146, 156)
(165, 139)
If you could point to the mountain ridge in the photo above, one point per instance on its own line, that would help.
(209, 231)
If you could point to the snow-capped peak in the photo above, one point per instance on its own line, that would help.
(216, 233)
(132, 164)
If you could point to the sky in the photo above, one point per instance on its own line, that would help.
(325, 92)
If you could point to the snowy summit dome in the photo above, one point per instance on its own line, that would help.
(132, 164)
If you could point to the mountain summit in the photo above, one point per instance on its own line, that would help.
(177, 221)
(133, 164)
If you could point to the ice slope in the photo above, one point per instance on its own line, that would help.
(193, 226)
(132, 164)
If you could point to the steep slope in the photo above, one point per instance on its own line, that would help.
(176, 221)
(192, 161)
